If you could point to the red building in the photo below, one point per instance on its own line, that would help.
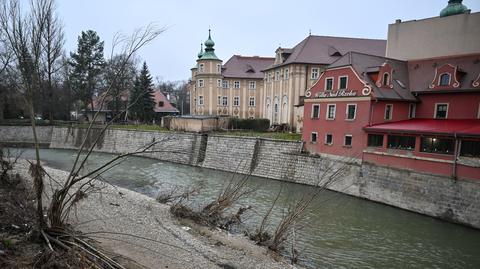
(421, 115)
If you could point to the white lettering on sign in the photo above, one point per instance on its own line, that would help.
(339, 93)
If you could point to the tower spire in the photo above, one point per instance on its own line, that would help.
(209, 50)
(200, 54)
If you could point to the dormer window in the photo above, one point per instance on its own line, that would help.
(161, 103)
(444, 80)
(386, 79)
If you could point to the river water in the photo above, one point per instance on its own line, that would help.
(337, 231)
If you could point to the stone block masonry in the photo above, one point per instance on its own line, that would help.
(433, 195)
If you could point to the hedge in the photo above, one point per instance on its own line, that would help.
(258, 125)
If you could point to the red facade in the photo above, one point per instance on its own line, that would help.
(419, 115)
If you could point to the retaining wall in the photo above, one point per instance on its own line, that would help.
(442, 197)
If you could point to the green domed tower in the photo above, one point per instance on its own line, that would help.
(454, 7)
(209, 53)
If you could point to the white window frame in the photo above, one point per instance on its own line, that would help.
(314, 73)
(201, 100)
(224, 100)
(313, 116)
(345, 140)
(346, 85)
(236, 99)
(219, 100)
(286, 74)
(201, 68)
(436, 107)
(325, 141)
(236, 84)
(201, 83)
(219, 68)
(412, 110)
(354, 114)
(225, 84)
(219, 83)
(391, 112)
(316, 137)
(388, 79)
(334, 111)
(250, 99)
(250, 83)
(440, 78)
(332, 79)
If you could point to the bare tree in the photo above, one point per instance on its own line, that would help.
(23, 35)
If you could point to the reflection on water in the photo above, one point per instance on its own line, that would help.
(338, 231)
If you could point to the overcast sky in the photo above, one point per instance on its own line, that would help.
(247, 27)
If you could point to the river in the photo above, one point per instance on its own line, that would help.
(337, 231)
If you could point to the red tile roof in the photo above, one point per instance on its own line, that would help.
(459, 127)
(167, 106)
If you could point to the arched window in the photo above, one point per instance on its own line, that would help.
(386, 79)
(444, 80)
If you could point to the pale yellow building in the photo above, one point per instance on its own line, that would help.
(232, 89)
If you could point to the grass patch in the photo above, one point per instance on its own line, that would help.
(271, 135)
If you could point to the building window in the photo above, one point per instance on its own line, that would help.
(219, 68)
(314, 73)
(331, 112)
(375, 140)
(412, 110)
(444, 79)
(401, 142)
(329, 139)
(388, 111)
(269, 77)
(251, 101)
(315, 111)
(225, 101)
(277, 75)
(161, 103)
(201, 68)
(437, 145)
(313, 137)
(286, 74)
(225, 84)
(347, 141)
(470, 148)
(351, 111)
(329, 84)
(386, 79)
(236, 101)
(441, 111)
(236, 84)
(342, 82)
(252, 85)
(219, 100)
(219, 83)
(200, 100)
(200, 83)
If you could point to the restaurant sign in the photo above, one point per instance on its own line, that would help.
(339, 93)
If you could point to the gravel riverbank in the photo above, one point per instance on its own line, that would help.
(142, 230)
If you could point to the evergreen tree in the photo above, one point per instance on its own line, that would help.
(142, 98)
(87, 64)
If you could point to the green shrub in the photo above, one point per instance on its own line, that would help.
(258, 125)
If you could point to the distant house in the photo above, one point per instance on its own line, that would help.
(109, 109)
(163, 107)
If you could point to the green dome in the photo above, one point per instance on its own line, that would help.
(454, 7)
(209, 42)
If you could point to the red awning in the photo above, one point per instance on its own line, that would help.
(450, 127)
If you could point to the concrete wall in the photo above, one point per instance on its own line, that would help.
(441, 197)
(24, 134)
(434, 37)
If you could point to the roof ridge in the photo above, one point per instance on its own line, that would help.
(347, 37)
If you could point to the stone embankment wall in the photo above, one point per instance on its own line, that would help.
(442, 197)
